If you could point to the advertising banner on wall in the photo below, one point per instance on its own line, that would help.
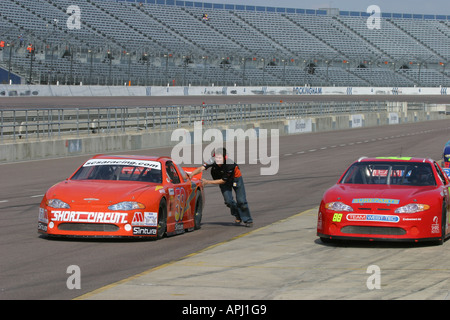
(300, 125)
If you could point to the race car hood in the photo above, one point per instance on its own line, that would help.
(388, 195)
(98, 192)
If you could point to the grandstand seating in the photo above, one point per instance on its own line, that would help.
(160, 42)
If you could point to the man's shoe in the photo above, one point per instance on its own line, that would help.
(249, 224)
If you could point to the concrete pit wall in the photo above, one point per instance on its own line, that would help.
(123, 142)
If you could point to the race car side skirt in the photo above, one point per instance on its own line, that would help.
(112, 237)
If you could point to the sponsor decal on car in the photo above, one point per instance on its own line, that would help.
(144, 231)
(42, 226)
(435, 227)
(145, 219)
(88, 217)
(319, 221)
(372, 217)
(43, 217)
(123, 162)
(376, 200)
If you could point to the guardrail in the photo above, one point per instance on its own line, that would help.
(57, 122)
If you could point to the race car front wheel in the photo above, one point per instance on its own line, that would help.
(162, 219)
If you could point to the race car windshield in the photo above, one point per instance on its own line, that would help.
(118, 173)
(407, 174)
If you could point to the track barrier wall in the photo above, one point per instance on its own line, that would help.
(120, 139)
(97, 91)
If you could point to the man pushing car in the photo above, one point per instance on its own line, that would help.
(226, 173)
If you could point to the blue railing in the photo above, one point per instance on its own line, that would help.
(218, 6)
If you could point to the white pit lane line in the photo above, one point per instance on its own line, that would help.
(353, 143)
(31, 197)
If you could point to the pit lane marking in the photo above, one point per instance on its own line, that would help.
(34, 196)
(358, 142)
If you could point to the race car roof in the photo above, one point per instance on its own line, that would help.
(132, 157)
(396, 159)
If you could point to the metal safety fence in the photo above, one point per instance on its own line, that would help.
(57, 122)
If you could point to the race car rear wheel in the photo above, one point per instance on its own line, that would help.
(162, 219)
(198, 212)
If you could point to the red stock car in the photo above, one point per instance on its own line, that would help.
(387, 198)
(123, 196)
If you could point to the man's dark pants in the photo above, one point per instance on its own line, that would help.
(239, 208)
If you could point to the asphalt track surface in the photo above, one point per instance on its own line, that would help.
(34, 267)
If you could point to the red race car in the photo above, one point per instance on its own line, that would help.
(387, 198)
(123, 196)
